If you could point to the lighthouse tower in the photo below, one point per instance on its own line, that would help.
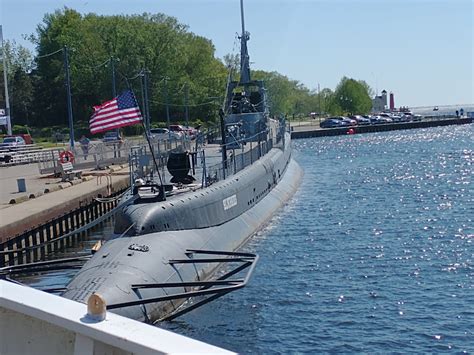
(392, 102)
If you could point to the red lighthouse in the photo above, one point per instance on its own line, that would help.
(392, 102)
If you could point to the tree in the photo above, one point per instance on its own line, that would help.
(286, 96)
(351, 97)
(155, 42)
(20, 83)
(325, 98)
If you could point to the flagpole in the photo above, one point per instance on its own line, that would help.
(143, 99)
(112, 68)
(147, 109)
(186, 95)
(68, 91)
(5, 80)
(114, 89)
(167, 106)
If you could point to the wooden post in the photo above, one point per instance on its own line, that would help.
(28, 242)
(69, 228)
(61, 231)
(11, 256)
(42, 239)
(49, 236)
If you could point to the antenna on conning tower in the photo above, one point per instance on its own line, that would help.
(244, 54)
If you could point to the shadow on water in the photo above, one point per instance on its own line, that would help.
(58, 279)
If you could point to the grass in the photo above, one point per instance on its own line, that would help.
(47, 144)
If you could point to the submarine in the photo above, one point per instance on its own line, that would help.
(176, 245)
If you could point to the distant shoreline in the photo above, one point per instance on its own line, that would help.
(311, 131)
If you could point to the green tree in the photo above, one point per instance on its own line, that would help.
(325, 98)
(351, 97)
(20, 83)
(155, 42)
(286, 96)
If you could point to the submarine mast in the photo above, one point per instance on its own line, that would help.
(244, 54)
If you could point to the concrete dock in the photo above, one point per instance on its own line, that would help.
(46, 198)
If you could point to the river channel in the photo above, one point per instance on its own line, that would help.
(375, 253)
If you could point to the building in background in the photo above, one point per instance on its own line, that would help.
(379, 103)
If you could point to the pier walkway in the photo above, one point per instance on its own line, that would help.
(48, 197)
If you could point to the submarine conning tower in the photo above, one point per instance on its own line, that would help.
(246, 100)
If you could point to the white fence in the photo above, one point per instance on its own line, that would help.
(100, 155)
(23, 155)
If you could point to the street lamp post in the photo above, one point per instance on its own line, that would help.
(5, 81)
(186, 107)
(68, 92)
(167, 106)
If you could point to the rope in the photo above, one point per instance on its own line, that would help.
(110, 199)
(179, 105)
(49, 54)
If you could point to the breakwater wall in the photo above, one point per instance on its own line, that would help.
(313, 131)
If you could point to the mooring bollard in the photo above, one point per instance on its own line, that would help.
(96, 307)
(21, 185)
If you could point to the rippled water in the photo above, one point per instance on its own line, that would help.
(374, 254)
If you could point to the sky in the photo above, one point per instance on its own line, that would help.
(421, 50)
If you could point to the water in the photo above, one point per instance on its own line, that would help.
(443, 110)
(374, 254)
(58, 279)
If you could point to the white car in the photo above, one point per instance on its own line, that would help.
(164, 133)
(12, 141)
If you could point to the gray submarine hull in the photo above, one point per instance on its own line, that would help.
(220, 217)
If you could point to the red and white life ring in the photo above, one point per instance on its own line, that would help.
(66, 157)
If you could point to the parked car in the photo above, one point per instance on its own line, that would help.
(361, 120)
(375, 119)
(26, 137)
(381, 118)
(346, 121)
(386, 115)
(112, 137)
(396, 117)
(331, 122)
(184, 130)
(191, 132)
(176, 128)
(12, 141)
(164, 133)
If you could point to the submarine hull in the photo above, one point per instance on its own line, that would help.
(241, 210)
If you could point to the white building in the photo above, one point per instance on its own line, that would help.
(379, 103)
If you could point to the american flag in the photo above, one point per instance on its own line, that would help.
(120, 112)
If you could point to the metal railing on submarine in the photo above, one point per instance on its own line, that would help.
(213, 289)
(241, 153)
(208, 290)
